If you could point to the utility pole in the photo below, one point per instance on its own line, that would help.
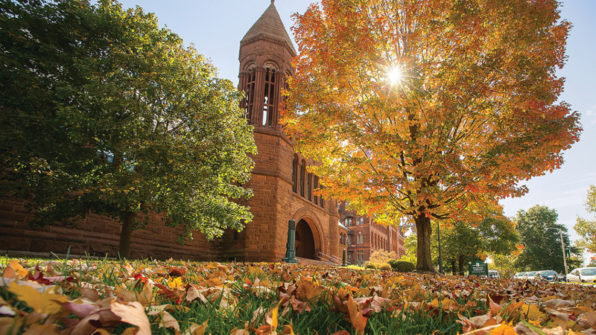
(562, 248)
(564, 254)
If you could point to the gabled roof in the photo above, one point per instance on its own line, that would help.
(269, 25)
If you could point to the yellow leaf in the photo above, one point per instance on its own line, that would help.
(503, 330)
(274, 314)
(176, 283)
(43, 303)
(20, 270)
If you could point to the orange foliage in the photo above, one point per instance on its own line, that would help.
(475, 114)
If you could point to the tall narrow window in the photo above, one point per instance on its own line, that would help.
(250, 93)
(295, 175)
(315, 187)
(309, 186)
(269, 107)
(302, 175)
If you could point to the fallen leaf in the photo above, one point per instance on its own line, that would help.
(44, 303)
(132, 313)
(37, 329)
(196, 329)
(307, 290)
(356, 318)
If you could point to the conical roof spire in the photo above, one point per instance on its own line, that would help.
(269, 25)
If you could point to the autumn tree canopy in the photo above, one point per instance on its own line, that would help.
(104, 111)
(421, 108)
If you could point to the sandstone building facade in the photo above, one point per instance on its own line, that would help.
(283, 188)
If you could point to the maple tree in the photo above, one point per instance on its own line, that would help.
(474, 114)
(104, 111)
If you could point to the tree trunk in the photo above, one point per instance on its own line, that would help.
(423, 231)
(128, 223)
(460, 261)
(453, 267)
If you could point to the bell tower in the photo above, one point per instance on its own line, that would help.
(283, 189)
(265, 58)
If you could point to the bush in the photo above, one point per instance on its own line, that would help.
(354, 267)
(381, 256)
(401, 266)
(384, 267)
(370, 265)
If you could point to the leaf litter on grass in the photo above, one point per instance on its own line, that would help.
(174, 297)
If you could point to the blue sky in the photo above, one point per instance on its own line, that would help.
(216, 28)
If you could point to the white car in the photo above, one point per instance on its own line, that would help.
(582, 275)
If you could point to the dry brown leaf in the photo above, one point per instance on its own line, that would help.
(193, 294)
(236, 331)
(39, 329)
(196, 329)
(307, 290)
(587, 320)
(168, 321)
(356, 318)
(132, 313)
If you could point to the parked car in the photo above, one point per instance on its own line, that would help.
(530, 275)
(493, 274)
(549, 275)
(582, 275)
(519, 275)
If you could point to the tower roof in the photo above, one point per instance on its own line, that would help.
(269, 25)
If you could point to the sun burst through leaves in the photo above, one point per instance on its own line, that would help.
(395, 75)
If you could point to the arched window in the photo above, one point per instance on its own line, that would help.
(250, 80)
(295, 175)
(302, 177)
(270, 96)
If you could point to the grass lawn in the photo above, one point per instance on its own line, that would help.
(176, 297)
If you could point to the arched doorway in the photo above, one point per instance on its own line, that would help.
(305, 242)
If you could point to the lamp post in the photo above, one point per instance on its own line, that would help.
(439, 237)
(562, 248)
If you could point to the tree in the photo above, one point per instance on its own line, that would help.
(494, 235)
(423, 108)
(587, 228)
(104, 111)
(540, 236)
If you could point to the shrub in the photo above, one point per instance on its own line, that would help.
(401, 266)
(370, 265)
(382, 256)
(354, 267)
(384, 267)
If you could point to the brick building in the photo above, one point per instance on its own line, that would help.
(283, 188)
(365, 236)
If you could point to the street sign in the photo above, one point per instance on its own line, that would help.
(478, 268)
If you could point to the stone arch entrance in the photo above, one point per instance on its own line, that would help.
(305, 241)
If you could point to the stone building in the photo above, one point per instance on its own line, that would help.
(365, 236)
(283, 188)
